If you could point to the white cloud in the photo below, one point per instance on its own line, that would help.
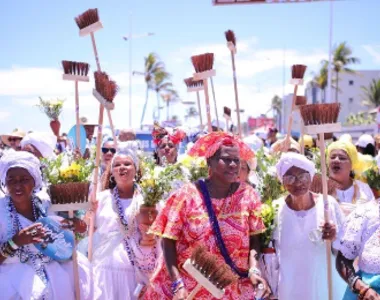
(4, 116)
(374, 51)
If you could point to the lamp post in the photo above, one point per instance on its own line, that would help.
(129, 38)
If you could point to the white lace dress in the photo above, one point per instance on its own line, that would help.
(115, 275)
(19, 280)
(361, 237)
(302, 263)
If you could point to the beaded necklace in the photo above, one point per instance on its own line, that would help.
(218, 235)
(25, 254)
(131, 255)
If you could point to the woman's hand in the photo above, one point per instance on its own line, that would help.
(33, 234)
(329, 231)
(256, 281)
(181, 294)
(371, 295)
(75, 224)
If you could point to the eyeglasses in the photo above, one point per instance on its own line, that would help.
(106, 150)
(14, 139)
(291, 179)
(229, 161)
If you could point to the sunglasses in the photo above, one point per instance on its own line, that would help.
(14, 139)
(106, 150)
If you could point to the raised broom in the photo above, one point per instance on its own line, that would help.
(231, 44)
(209, 273)
(195, 86)
(319, 119)
(76, 71)
(301, 100)
(203, 67)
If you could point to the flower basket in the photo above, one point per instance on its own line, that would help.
(71, 192)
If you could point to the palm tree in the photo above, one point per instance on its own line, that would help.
(342, 57)
(152, 66)
(161, 85)
(169, 96)
(276, 106)
(372, 93)
(321, 79)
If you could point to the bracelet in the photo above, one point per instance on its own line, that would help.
(12, 244)
(363, 291)
(351, 283)
(177, 285)
(254, 271)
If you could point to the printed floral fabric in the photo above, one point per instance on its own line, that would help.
(361, 237)
(185, 220)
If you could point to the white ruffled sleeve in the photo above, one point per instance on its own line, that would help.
(351, 237)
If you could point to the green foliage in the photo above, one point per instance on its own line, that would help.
(372, 93)
(372, 177)
(361, 118)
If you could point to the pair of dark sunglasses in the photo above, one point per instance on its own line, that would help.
(14, 139)
(106, 150)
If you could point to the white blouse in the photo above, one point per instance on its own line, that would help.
(364, 193)
(361, 237)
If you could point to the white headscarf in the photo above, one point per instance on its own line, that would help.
(24, 160)
(44, 142)
(129, 148)
(291, 159)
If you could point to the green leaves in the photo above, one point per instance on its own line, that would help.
(52, 108)
(372, 93)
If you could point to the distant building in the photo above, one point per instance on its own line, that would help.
(350, 92)
(286, 110)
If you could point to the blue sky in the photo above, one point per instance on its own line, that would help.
(37, 35)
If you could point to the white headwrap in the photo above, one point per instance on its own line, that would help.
(43, 142)
(24, 160)
(291, 159)
(129, 148)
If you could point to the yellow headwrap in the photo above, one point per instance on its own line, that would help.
(307, 140)
(347, 147)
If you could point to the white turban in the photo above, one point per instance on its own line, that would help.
(291, 159)
(43, 142)
(129, 148)
(24, 160)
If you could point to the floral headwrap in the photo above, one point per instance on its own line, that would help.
(24, 160)
(207, 145)
(159, 133)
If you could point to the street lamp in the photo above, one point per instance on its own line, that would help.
(129, 38)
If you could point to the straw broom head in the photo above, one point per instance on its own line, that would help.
(298, 71)
(301, 100)
(203, 62)
(317, 114)
(230, 37)
(105, 86)
(88, 18)
(191, 83)
(75, 68)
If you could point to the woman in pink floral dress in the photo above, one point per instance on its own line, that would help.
(219, 214)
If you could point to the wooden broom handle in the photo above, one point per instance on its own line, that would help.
(290, 123)
(199, 110)
(194, 292)
(205, 88)
(75, 264)
(214, 98)
(95, 51)
(77, 129)
(112, 128)
(302, 137)
(326, 211)
(236, 93)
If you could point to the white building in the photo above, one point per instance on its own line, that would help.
(286, 108)
(350, 93)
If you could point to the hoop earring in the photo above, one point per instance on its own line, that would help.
(112, 180)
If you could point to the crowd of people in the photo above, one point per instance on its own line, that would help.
(221, 213)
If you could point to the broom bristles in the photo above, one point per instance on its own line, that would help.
(301, 100)
(191, 83)
(88, 18)
(203, 62)
(317, 114)
(298, 71)
(206, 263)
(230, 37)
(105, 87)
(75, 68)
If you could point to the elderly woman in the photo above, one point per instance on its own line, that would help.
(40, 144)
(219, 214)
(166, 144)
(360, 240)
(27, 272)
(343, 162)
(300, 231)
(121, 265)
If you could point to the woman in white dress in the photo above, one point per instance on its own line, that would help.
(121, 265)
(300, 231)
(25, 273)
(343, 161)
(361, 239)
